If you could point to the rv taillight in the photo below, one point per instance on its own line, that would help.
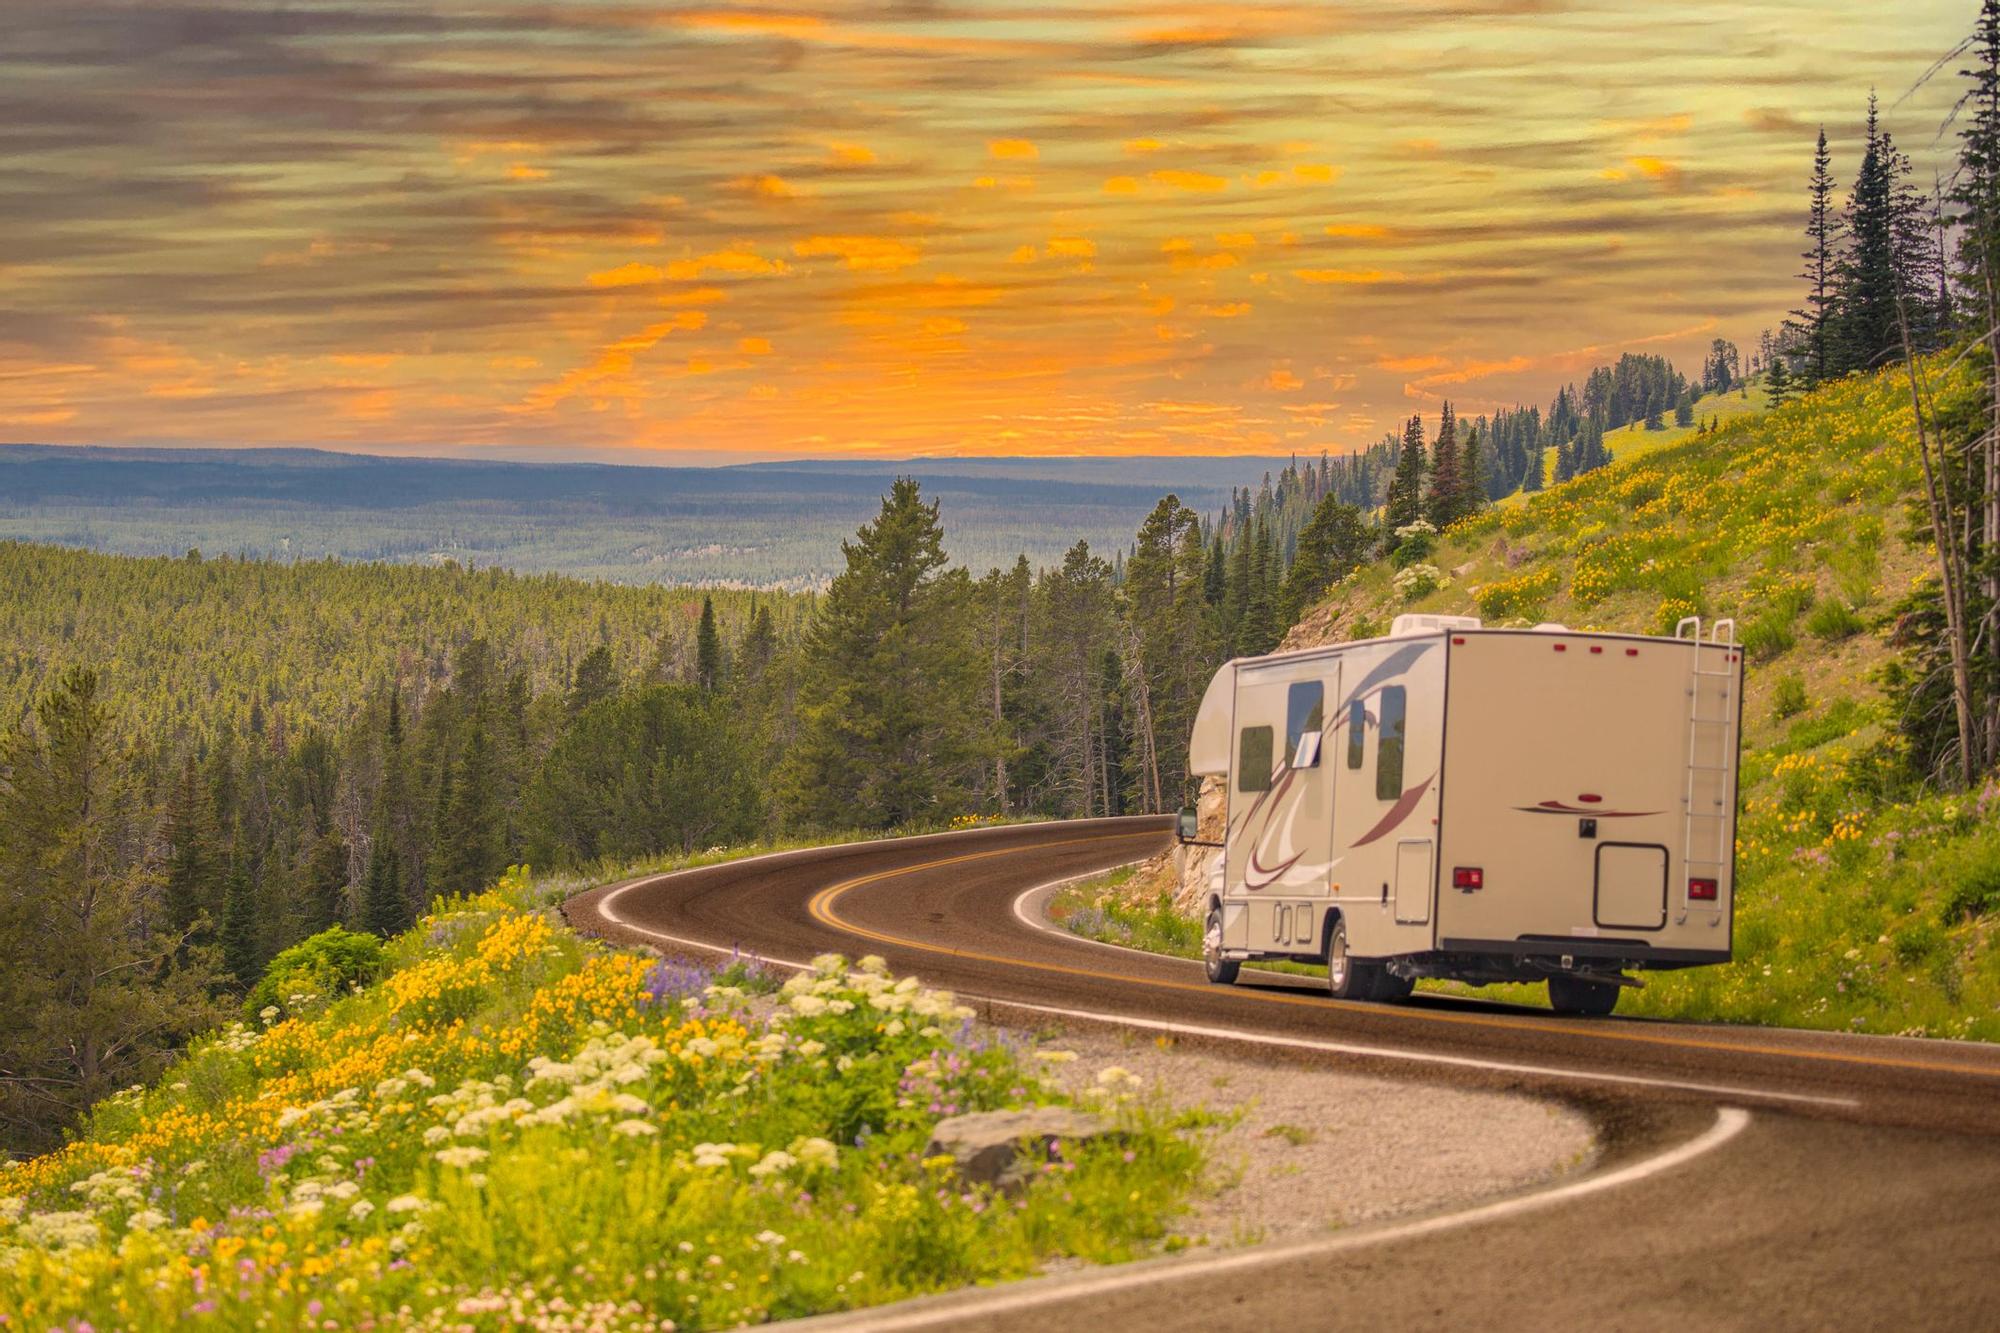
(1468, 878)
(1701, 890)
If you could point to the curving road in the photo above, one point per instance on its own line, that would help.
(1862, 1189)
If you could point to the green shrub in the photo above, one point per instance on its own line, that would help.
(1915, 941)
(1833, 620)
(324, 967)
(1767, 636)
(1975, 892)
(1789, 699)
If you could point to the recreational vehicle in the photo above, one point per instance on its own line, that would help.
(1480, 804)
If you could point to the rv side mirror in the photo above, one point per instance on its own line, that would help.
(1188, 827)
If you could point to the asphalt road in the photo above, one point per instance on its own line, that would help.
(1864, 1191)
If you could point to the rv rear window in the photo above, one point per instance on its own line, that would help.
(1389, 746)
(1357, 733)
(1253, 759)
(1304, 704)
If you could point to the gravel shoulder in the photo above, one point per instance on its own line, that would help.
(1302, 1151)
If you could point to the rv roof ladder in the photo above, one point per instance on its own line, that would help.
(1706, 799)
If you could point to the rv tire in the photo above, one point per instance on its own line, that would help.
(1221, 971)
(1346, 978)
(1586, 999)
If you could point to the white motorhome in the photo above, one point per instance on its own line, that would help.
(1482, 804)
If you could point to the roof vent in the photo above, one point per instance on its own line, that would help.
(1422, 624)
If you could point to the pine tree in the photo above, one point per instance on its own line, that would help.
(1867, 280)
(1260, 631)
(707, 649)
(1406, 488)
(195, 859)
(889, 724)
(324, 897)
(1684, 408)
(240, 954)
(1777, 383)
(96, 993)
(1332, 546)
(385, 909)
(1815, 321)
(471, 847)
(1471, 476)
(596, 676)
(1441, 504)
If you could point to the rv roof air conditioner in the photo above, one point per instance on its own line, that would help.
(1422, 624)
(1551, 627)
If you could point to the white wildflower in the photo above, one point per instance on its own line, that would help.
(809, 1048)
(815, 1152)
(359, 1210)
(774, 1163)
(462, 1156)
(406, 1203)
(633, 1129)
(147, 1219)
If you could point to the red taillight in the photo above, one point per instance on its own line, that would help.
(1468, 878)
(1701, 890)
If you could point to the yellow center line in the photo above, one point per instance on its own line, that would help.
(821, 908)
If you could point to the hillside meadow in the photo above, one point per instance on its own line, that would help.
(491, 1122)
(1865, 902)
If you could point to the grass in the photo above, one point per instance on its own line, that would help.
(511, 1125)
(1863, 901)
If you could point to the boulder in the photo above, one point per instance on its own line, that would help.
(1005, 1148)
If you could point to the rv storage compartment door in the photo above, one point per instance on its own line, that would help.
(1631, 886)
(1413, 881)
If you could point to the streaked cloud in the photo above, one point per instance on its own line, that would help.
(926, 226)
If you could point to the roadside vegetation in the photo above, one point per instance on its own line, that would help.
(489, 1121)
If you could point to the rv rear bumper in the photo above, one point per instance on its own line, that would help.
(1630, 953)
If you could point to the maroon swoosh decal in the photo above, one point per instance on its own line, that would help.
(1558, 808)
(1398, 812)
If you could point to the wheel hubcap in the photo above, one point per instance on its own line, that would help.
(1211, 939)
(1336, 959)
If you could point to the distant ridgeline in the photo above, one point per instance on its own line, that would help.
(776, 525)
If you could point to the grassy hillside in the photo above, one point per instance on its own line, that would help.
(1863, 902)
(494, 1123)
(1634, 441)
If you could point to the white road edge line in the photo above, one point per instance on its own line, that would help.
(946, 1311)
(1235, 1036)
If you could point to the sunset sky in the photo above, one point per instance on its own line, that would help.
(584, 228)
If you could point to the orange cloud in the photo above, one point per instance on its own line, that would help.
(741, 261)
(521, 171)
(1283, 381)
(760, 25)
(1012, 150)
(754, 346)
(1316, 173)
(1122, 185)
(1409, 365)
(628, 275)
(1358, 231)
(851, 154)
(1345, 276)
(1197, 181)
(1140, 146)
(1071, 247)
(768, 187)
(882, 253)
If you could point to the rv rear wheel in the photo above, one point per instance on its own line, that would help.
(1222, 971)
(1346, 979)
(1589, 999)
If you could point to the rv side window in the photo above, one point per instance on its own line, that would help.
(1389, 746)
(1253, 759)
(1303, 707)
(1357, 733)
